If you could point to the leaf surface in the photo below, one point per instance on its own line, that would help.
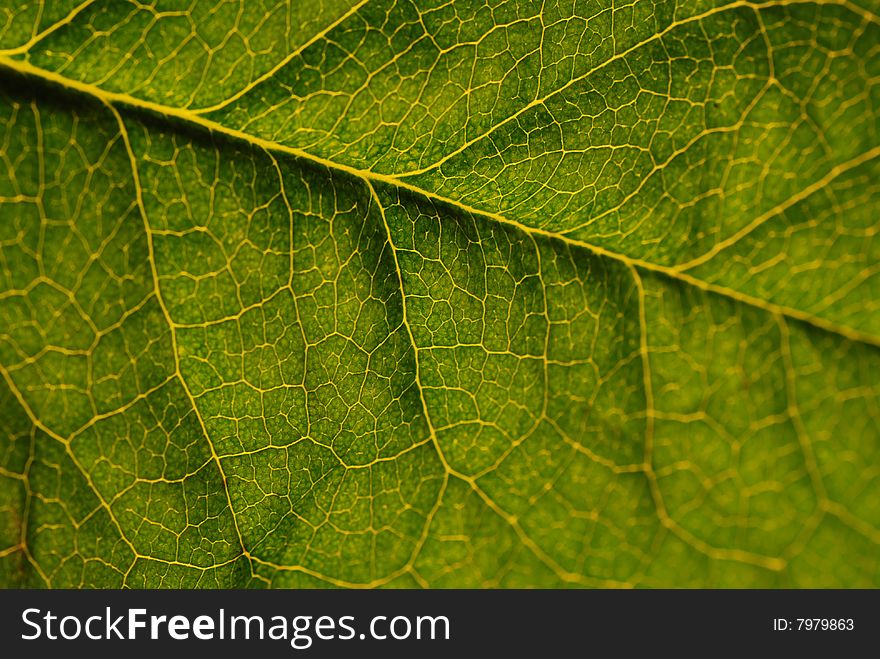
(440, 294)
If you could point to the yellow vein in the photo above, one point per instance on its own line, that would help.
(408, 328)
(801, 195)
(123, 131)
(539, 553)
(35, 421)
(114, 98)
(623, 54)
(280, 65)
(739, 555)
(76, 11)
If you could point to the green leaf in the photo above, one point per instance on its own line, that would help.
(440, 294)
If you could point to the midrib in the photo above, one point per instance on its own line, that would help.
(191, 118)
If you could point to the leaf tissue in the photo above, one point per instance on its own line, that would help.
(440, 293)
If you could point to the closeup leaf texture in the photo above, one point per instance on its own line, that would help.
(440, 293)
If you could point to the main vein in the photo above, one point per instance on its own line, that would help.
(189, 117)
